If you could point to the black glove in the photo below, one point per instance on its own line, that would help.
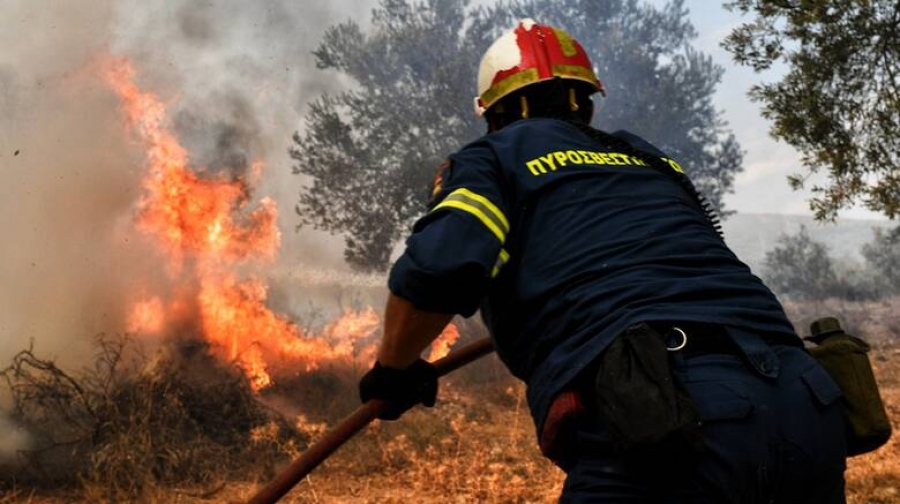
(402, 388)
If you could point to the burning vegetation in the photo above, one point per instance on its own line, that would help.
(206, 226)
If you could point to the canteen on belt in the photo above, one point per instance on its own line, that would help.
(846, 359)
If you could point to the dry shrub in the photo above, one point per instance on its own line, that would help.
(324, 394)
(330, 391)
(121, 429)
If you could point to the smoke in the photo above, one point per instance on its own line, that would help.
(68, 181)
(12, 439)
(237, 77)
(243, 74)
(221, 137)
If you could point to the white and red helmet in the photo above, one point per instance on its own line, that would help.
(527, 54)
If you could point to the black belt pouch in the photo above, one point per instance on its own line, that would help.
(635, 395)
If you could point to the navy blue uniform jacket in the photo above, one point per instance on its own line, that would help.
(563, 242)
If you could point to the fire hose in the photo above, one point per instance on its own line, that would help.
(352, 424)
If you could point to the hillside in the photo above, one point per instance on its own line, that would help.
(752, 235)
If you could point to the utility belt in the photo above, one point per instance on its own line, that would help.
(696, 339)
(632, 390)
(631, 387)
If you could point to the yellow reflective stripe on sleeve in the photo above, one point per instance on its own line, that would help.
(477, 213)
(481, 208)
(487, 204)
(502, 258)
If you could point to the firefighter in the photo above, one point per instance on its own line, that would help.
(658, 367)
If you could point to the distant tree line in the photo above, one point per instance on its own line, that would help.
(801, 268)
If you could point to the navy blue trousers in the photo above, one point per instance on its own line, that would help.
(768, 440)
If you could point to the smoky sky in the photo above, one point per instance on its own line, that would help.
(236, 77)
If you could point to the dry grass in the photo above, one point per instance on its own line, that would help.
(180, 428)
(878, 322)
(488, 454)
(468, 449)
(875, 477)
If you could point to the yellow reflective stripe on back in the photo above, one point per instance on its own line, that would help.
(502, 258)
(481, 208)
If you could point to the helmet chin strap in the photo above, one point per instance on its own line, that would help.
(552, 98)
(573, 101)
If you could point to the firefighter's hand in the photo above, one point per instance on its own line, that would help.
(402, 388)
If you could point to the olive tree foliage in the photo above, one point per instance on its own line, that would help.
(800, 268)
(368, 154)
(839, 102)
(883, 257)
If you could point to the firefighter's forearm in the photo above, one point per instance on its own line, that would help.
(407, 331)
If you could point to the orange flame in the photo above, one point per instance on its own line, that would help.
(209, 220)
(189, 214)
(147, 317)
(441, 346)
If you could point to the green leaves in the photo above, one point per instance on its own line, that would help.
(839, 103)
